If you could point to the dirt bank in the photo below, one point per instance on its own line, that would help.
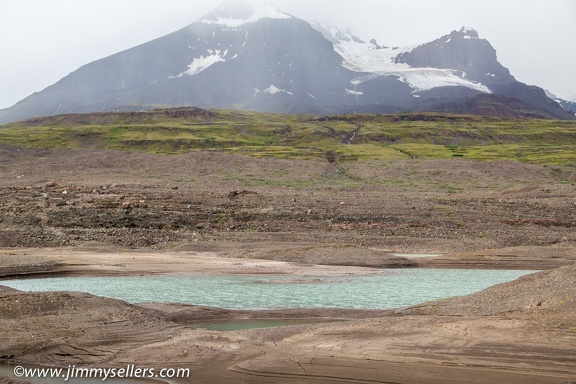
(518, 332)
(106, 212)
(263, 258)
(99, 199)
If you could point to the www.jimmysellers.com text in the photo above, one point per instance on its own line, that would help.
(128, 372)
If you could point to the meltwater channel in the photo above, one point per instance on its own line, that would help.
(389, 289)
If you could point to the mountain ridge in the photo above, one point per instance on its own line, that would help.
(266, 60)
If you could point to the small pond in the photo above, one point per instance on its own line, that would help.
(389, 289)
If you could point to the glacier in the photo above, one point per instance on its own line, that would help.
(368, 58)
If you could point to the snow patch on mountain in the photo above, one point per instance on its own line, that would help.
(360, 56)
(271, 90)
(351, 92)
(469, 33)
(268, 11)
(423, 79)
(203, 62)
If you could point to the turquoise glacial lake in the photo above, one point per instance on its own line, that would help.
(388, 289)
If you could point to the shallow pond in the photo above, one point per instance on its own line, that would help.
(388, 289)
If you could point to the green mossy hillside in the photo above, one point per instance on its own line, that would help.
(336, 138)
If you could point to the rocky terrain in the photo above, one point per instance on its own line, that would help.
(107, 212)
(215, 201)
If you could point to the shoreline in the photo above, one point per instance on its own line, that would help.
(485, 336)
(52, 262)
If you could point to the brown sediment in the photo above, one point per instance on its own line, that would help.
(263, 258)
(65, 212)
(517, 332)
(98, 200)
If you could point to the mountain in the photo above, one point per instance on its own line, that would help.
(567, 104)
(266, 60)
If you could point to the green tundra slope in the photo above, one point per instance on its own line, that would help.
(336, 138)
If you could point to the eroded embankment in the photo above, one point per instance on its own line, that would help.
(528, 323)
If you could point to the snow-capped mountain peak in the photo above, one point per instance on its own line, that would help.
(373, 59)
(264, 59)
(231, 9)
(234, 13)
(468, 33)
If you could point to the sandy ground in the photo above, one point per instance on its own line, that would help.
(433, 343)
(519, 332)
(114, 213)
(299, 260)
(133, 262)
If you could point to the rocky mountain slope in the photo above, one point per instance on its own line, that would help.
(266, 60)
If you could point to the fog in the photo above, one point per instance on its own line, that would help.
(42, 41)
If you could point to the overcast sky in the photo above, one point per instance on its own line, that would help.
(42, 41)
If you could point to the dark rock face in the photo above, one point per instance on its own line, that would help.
(567, 105)
(490, 105)
(534, 96)
(233, 59)
(461, 50)
(278, 59)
